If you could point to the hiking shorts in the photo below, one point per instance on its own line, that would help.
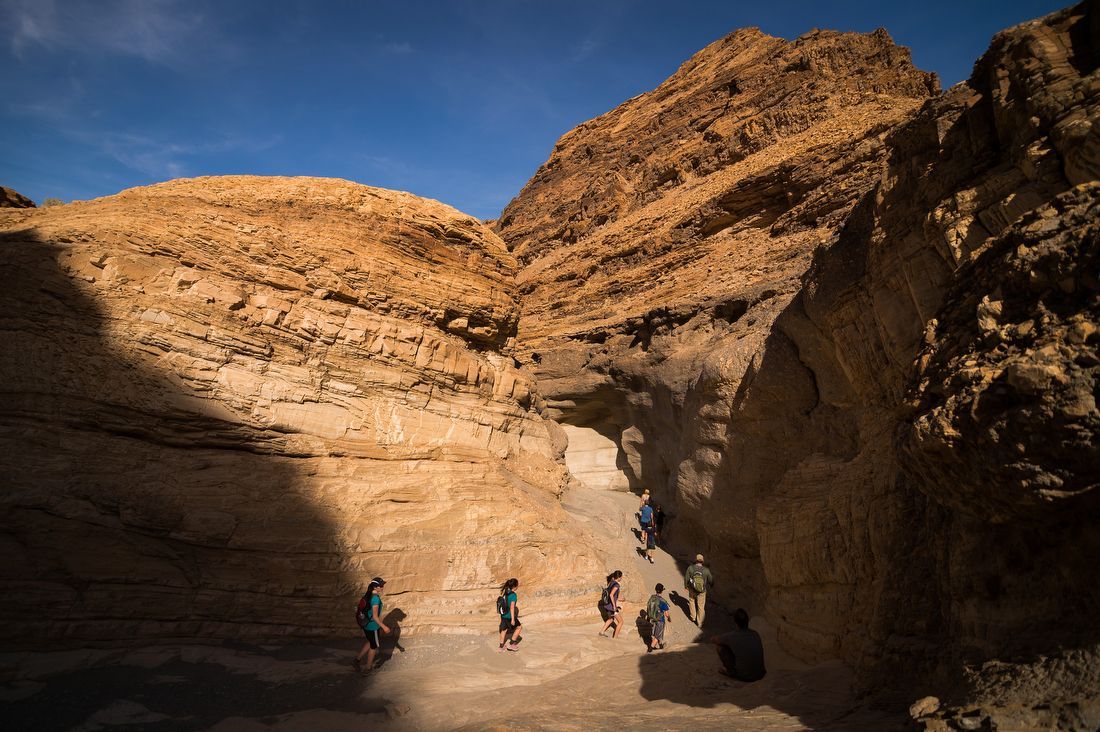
(506, 623)
(372, 636)
(611, 610)
(659, 631)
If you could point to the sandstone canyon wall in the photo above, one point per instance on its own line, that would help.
(845, 328)
(229, 402)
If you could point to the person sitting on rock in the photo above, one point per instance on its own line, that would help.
(612, 606)
(741, 651)
(369, 616)
(657, 610)
(509, 616)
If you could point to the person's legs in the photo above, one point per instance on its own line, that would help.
(729, 660)
(618, 618)
(702, 612)
(517, 635)
(657, 637)
(693, 606)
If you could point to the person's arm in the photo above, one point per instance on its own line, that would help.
(374, 614)
(615, 597)
(512, 612)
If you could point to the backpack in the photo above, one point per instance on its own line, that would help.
(653, 609)
(698, 581)
(362, 610)
(502, 606)
(605, 597)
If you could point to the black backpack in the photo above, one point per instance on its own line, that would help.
(502, 606)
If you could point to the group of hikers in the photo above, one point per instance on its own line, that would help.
(740, 650)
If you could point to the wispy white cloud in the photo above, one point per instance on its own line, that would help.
(586, 48)
(397, 48)
(158, 31)
(164, 159)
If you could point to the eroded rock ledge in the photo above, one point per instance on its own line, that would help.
(229, 402)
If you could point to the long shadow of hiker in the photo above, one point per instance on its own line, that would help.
(681, 602)
(645, 630)
(393, 640)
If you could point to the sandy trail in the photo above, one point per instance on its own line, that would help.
(565, 677)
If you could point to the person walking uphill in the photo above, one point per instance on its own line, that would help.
(697, 581)
(741, 651)
(657, 611)
(509, 615)
(369, 616)
(610, 603)
(645, 518)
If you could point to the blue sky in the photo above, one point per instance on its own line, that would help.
(459, 101)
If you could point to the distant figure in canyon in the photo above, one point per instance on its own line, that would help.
(645, 518)
(645, 498)
(509, 616)
(369, 616)
(697, 581)
(658, 522)
(657, 610)
(610, 603)
(741, 651)
(650, 543)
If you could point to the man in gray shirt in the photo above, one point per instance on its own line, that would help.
(741, 651)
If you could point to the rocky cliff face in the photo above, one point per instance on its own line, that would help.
(847, 330)
(230, 402)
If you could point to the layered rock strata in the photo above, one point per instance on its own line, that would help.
(855, 355)
(229, 402)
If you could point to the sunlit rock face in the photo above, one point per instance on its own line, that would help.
(229, 402)
(846, 331)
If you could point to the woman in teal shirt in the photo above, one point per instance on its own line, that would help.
(509, 615)
(369, 615)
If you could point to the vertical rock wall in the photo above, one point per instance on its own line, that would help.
(861, 367)
(229, 402)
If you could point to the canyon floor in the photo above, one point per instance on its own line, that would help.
(565, 677)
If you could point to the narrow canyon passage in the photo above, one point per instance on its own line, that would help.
(564, 677)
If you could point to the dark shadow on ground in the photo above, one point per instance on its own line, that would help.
(391, 642)
(192, 696)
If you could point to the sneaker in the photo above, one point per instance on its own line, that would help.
(651, 560)
(500, 648)
(512, 647)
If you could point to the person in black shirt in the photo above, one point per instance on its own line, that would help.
(741, 651)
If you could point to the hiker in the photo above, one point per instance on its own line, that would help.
(697, 581)
(650, 543)
(369, 616)
(645, 498)
(610, 603)
(658, 522)
(741, 651)
(657, 610)
(509, 615)
(645, 518)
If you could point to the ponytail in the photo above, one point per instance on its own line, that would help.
(509, 586)
(614, 576)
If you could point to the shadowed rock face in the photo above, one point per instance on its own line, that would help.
(14, 199)
(230, 402)
(854, 355)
